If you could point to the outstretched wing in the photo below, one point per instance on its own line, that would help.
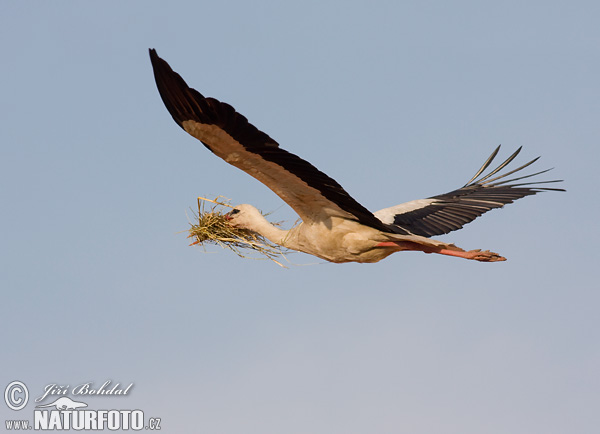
(448, 212)
(228, 134)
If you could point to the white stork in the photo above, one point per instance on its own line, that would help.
(334, 226)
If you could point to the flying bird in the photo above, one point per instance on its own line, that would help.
(334, 226)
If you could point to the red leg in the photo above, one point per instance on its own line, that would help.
(477, 255)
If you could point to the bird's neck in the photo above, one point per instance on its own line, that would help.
(272, 233)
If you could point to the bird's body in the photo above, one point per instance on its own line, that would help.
(339, 239)
(335, 239)
(334, 226)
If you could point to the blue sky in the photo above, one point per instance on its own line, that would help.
(396, 101)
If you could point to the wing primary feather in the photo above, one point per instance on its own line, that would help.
(539, 182)
(500, 167)
(489, 185)
(485, 165)
(504, 175)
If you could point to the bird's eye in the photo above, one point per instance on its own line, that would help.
(234, 211)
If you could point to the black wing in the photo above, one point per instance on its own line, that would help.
(448, 212)
(228, 134)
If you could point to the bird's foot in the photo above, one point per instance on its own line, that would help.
(476, 255)
(483, 256)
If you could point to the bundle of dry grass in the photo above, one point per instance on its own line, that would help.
(211, 226)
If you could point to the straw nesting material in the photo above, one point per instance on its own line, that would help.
(211, 226)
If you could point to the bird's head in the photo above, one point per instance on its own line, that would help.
(244, 216)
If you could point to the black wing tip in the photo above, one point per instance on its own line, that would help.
(483, 180)
(541, 190)
(173, 89)
(185, 103)
(154, 57)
